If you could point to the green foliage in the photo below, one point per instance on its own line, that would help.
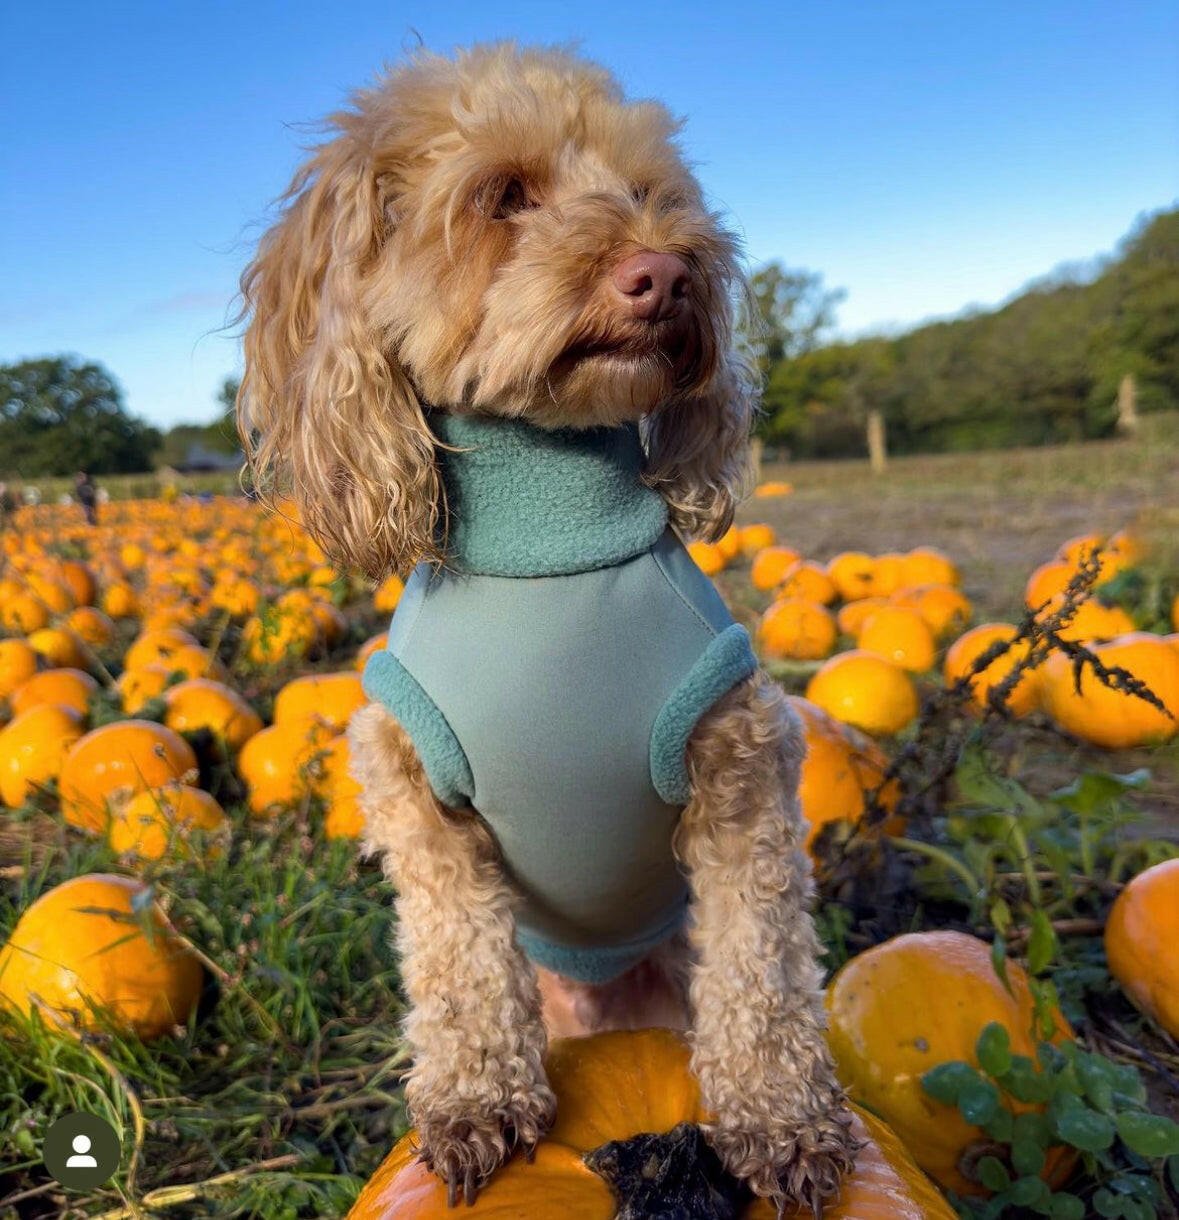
(59, 415)
(1090, 1103)
(1043, 368)
(792, 312)
(283, 1094)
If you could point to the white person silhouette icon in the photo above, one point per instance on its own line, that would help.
(81, 1158)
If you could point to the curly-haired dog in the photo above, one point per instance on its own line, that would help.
(490, 341)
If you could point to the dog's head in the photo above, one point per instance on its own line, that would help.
(500, 232)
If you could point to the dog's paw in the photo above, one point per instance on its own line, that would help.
(465, 1149)
(799, 1170)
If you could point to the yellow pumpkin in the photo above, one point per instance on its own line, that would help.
(110, 764)
(279, 764)
(79, 954)
(853, 574)
(344, 818)
(1140, 938)
(770, 566)
(60, 647)
(916, 1001)
(33, 749)
(865, 690)
(612, 1088)
(708, 557)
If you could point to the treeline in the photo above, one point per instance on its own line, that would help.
(1043, 368)
(62, 414)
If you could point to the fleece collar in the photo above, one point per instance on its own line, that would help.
(529, 501)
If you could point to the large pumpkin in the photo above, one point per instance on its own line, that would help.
(81, 948)
(910, 1004)
(1140, 938)
(113, 762)
(1111, 718)
(614, 1087)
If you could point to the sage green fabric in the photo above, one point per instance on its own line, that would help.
(559, 705)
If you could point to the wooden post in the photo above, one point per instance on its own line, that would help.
(1127, 405)
(755, 454)
(877, 446)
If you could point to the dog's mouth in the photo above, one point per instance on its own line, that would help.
(670, 343)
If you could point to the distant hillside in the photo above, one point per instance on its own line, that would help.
(1043, 368)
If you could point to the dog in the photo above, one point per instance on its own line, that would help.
(491, 341)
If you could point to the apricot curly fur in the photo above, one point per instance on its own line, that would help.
(451, 245)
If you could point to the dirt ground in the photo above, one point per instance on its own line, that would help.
(997, 515)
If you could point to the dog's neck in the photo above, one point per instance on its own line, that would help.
(528, 501)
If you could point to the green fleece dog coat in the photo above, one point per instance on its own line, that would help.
(550, 676)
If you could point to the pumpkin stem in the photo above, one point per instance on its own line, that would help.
(674, 1175)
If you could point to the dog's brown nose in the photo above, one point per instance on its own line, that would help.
(654, 285)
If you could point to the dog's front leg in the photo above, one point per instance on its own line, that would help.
(477, 1087)
(781, 1120)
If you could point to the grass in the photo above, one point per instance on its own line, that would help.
(282, 1095)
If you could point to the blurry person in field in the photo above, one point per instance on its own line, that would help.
(87, 493)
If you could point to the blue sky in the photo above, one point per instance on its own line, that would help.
(923, 156)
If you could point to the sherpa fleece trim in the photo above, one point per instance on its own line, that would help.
(445, 764)
(725, 662)
(596, 964)
(529, 501)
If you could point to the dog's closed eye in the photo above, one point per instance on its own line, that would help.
(504, 196)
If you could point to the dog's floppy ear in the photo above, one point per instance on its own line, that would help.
(325, 412)
(698, 446)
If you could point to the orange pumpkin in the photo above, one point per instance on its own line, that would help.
(59, 647)
(18, 663)
(612, 1088)
(158, 819)
(1140, 938)
(344, 818)
(966, 650)
(708, 557)
(926, 565)
(770, 566)
(841, 769)
(388, 594)
(158, 647)
(1111, 718)
(279, 764)
(79, 954)
(110, 764)
(852, 617)
(854, 575)
(797, 629)
(65, 687)
(808, 581)
(138, 687)
(900, 636)
(944, 608)
(916, 1001)
(201, 703)
(331, 697)
(375, 644)
(33, 749)
(756, 537)
(865, 690)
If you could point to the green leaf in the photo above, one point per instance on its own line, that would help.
(1106, 1203)
(1085, 1129)
(992, 1173)
(1027, 1192)
(1096, 1081)
(1041, 942)
(1027, 1157)
(1001, 916)
(1173, 1172)
(1090, 791)
(946, 1081)
(993, 1049)
(1064, 1206)
(979, 1102)
(1032, 1128)
(1024, 1082)
(1001, 1127)
(1149, 1135)
(999, 960)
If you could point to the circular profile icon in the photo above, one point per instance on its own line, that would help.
(81, 1151)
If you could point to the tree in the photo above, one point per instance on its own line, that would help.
(60, 414)
(220, 436)
(793, 312)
